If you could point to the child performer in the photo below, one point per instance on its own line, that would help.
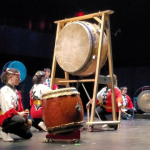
(12, 117)
(47, 75)
(48, 79)
(36, 93)
(104, 97)
(127, 107)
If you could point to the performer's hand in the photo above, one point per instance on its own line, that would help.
(119, 105)
(134, 108)
(23, 114)
(88, 105)
(123, 111)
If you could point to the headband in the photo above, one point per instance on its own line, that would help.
(14, 73)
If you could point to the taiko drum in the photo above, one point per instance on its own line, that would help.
(62, 110)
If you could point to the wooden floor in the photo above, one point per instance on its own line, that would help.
(133, 135)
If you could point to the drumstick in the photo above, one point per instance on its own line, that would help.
(127, 114)
(90, 99)
(28, 121)
(86, 92)
(27, 111)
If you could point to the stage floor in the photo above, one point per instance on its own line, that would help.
(133, 135)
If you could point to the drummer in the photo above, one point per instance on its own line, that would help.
(127, 107)
(12, 115)
(36, 93)
(104, 97)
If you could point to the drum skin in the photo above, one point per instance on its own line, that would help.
(60, 112)
(143, 101)
(76, 48)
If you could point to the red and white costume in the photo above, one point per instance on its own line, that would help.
(105, 96)
(10, 103)
(35, 99)
(127, 103)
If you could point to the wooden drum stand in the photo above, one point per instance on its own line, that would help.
(105, 25)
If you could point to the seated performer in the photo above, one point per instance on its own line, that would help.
(12, 115)
(36, 93)
(48, 79)
(127, 107)
(104, 105)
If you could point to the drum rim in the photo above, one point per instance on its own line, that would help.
(71, 89)
(62, 127)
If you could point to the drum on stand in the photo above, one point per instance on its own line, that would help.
(62, 110)
(76, 48)
(143, 101)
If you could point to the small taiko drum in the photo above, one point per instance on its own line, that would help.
(76, 48)
(62, 110)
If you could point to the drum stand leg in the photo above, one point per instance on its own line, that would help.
(119, 118)
(75, 135)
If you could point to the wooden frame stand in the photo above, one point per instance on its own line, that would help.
(105, 26)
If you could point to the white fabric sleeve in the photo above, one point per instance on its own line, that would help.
(7, 101)
(45, 89)
(40, 90)
(99, 94)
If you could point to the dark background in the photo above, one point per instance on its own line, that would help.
(27, 34)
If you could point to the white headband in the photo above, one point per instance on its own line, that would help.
(8, 71)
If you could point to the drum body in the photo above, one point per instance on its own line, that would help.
(62, 110)
(143, 101)
(76, 48)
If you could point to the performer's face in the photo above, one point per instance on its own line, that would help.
(124, 92)
(109, 85)
(15, 79)
(47, 74)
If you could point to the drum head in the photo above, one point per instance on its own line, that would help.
(73, 47)
(143, 101)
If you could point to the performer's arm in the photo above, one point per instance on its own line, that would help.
(8, 105)
(20, 106)
(130, 104)
(118, 97)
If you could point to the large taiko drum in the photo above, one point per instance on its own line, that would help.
(76, 48)
(62, 110)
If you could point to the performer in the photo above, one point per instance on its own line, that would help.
(12, 116)
(47, 74)
(127, 107)
(104, 105)
(36, 93)
(48, 79)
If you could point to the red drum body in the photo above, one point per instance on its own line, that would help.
(62, 110)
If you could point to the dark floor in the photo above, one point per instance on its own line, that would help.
(133, 135)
